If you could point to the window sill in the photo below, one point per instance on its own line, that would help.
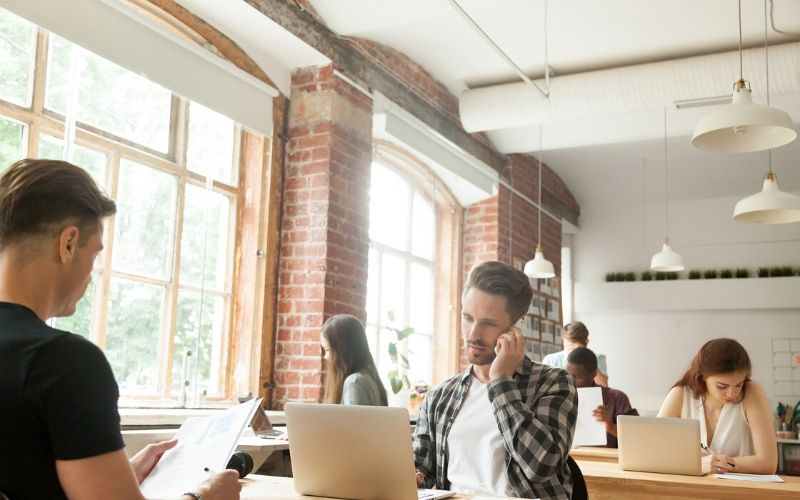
(172, 418)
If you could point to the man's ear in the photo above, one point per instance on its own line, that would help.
(594, 373)
(68, 243)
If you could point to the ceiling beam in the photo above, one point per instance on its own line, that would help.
(355, 65)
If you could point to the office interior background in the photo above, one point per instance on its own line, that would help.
(277, 162)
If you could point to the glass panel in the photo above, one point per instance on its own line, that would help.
(423, 231)
(372, 340)
(205, 366)
(111, 98)
(421, 301)
(94, 162)
(17, 49)
(80, 322)
(145, 221)
(384, 363)
(373, 273)
(12, 142)
(388, 208)
(210, 148)
(206, 217)
(133, 333)
(419, 358)
(393, 290)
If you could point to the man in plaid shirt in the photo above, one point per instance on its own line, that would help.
(504, 426)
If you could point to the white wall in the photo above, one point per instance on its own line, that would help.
(649, 347)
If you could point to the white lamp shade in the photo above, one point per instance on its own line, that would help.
(770, 206)
(743, 126)
(667, 260)
(539, 267)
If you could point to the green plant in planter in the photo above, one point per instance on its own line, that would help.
(710, 274)
(619, 276)
(788, 271)
(611, 277)
(630, 276)
(694, 275)
(661, 276)
(647, 276)
(672, 276)
(775, 272)
(726, 274)
(398, 374)
(763, 272)
(742, 273)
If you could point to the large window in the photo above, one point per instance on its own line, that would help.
(162, 292)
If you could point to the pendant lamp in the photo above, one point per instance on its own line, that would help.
(667, 260)
(743, 126)
(539, 267)
(771, 205)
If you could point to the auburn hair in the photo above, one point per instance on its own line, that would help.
(718, 356)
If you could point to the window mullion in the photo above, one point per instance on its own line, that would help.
(103, 290)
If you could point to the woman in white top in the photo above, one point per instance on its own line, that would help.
(735, 419)
(351, 377)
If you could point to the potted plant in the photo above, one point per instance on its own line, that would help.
(398, 355)
(763, 272)
(710, 274)
(726, 274)
(742, 273)
(661, 276)
(775, 272)
(788, 271)
(694, 275)
(611, 277)
(630, 276)
(647, 276)
(672, 276)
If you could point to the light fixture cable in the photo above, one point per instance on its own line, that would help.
(666, 179)
(541, 163)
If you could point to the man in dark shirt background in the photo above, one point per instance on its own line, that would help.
(582, 365)
(59, 424)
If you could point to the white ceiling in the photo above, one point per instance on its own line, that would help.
(583, 35)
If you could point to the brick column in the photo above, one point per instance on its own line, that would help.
(325, 225)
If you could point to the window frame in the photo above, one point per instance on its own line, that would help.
(235, 345)
(446, 259)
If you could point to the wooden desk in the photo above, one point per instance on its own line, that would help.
(607, 481)
(595, 454)
(280, 488)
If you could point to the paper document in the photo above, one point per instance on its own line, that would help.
(758, 478)
(202, 442)
(588, 431)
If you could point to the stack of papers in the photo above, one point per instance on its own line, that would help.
(758, 478)
(588, 431)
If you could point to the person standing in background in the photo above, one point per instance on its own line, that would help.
(574, 335)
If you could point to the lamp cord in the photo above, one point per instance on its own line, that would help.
(741, 72)
(666, 177)
(766, 67)
(541, 165)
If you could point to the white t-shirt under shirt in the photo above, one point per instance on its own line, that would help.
(476, 461)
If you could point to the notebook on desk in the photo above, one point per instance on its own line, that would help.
(356, 452)
(666, 445)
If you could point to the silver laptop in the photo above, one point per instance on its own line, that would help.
(262, 427)
(358, 452)
(666, 445)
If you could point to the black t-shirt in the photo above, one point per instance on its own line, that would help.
(58, 400)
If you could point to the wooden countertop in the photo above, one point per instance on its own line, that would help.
(595, 454)
(607, 481)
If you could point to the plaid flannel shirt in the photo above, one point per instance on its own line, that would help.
(535, 411)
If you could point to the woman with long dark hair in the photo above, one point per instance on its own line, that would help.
(735, 419)
(351, 377)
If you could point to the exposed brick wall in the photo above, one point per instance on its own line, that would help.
(325, 225)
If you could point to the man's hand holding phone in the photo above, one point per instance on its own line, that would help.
(510, 349)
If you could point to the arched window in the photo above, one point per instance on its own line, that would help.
(413, 266)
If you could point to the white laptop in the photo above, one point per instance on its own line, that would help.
(357, 452)
(666, 445)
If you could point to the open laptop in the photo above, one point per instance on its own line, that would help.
(357, 452)
(666, 445)
(262, 427)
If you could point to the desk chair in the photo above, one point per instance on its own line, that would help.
(579, 491)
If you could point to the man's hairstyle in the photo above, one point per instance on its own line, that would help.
(584, 357)
(497, 278)
(38, 197)
(576, 332)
